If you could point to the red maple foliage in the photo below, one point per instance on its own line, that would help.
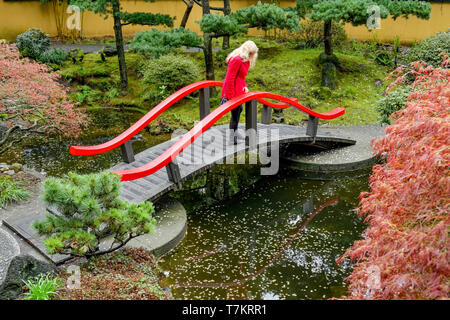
(33, 101)
(405, 250)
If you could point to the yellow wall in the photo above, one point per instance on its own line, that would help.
(407, 29)
(18, 16)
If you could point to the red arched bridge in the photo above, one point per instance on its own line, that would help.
(155, 171)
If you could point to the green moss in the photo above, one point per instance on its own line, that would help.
(321, 93)
(93, 67)
(103, 84)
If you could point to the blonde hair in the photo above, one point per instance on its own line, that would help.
(244, 52)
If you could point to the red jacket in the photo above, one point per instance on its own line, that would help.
(235, 79)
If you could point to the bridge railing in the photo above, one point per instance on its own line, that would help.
(251, 112)
(207, 119)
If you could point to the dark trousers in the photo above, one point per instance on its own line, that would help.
(235, 115)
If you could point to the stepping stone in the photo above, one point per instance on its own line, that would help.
(170, 228)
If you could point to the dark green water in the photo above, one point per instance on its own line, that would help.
(52, 157)
(277, 240)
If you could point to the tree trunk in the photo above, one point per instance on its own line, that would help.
(327, 59)
(226, 42)
(226, 12)
(327, 37)
(190, 5)
(209, 64)
(119, 45)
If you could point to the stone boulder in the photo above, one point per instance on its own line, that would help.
(16, 167)
(110, 51)
(21, 268)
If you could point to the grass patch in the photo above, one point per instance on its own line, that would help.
(129, 274)
(11, 191)
(296, 73)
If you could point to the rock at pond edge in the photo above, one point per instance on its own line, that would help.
(21, 268)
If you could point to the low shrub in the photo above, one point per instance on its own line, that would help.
(56, 56)
(392, 102)
(383, 57)
(111, 94)
(156, 95)
(429, 49)
(76, 55)
(33, 43)
(171, 71)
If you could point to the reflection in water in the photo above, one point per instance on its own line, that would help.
(54, 159)
(261, 270)
(277, 240)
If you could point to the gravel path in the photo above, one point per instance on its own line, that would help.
(92, 48)
(87, 48)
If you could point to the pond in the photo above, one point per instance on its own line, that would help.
(52, 156)
(279, 239)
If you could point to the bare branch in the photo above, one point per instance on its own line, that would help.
(8, 133)
(211, 8)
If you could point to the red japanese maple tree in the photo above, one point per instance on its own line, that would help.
(33, 101)
(405, 250)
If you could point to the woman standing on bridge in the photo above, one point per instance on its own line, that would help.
(239, 62)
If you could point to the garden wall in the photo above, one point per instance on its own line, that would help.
(17, 16)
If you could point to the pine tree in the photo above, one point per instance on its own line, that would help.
(112, 7)
(88, 210)
(356, 12)
(261, 16)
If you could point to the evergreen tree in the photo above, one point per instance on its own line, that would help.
(261, 16)
(88, 210)
(356, 12)
(226, 9)
(112, 7)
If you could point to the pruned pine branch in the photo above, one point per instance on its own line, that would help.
(146, 18)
